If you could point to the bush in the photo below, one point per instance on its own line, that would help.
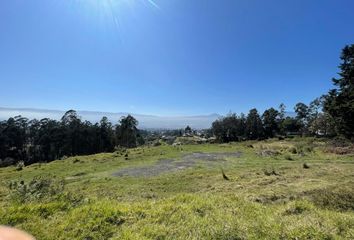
(288, 157)
(339, 142)
(156, 144)
(306, 166)
(302, 148)
(337, 198)
(298, 208)
(20, 165)
(7, 162)
(293, 150)
(270, 172)
(36, 190)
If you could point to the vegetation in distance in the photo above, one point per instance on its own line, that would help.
(33, 141)
(141, 185)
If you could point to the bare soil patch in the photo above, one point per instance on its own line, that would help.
(173, 165)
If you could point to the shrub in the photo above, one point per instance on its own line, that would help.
(293, 150)
(7, 162)
(339, 142)
(298, 208)
(270, 172)
(76, 160)
(156, 144)
(337, 198)
(20, 165)
(37, 189)
(288, 157)
(306, 166)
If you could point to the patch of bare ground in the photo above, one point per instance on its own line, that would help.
(173, 165)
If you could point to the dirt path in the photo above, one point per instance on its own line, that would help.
(173, 165)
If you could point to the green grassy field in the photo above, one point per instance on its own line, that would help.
(289, 189)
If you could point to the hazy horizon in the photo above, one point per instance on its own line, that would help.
(145, 121)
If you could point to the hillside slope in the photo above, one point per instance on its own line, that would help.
(276, 190)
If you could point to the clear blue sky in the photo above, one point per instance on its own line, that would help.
(169, 57)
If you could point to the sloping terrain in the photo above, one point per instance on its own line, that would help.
(292, 189)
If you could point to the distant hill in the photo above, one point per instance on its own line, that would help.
(145, 121)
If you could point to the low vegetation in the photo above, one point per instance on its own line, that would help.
(265, 196)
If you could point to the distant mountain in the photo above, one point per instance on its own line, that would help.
(145, 121)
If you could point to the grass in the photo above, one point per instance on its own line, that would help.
(270, 195)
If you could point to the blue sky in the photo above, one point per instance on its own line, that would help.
(169, 57)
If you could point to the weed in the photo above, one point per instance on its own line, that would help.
(270, 172)
(288, 157)
(37, 189)
(20, 165)
(293, 150)
(76, 160)
(298, 207)
(337, 198)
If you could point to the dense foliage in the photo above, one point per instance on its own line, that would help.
(45, 140)
(328, 115)
(340, 101)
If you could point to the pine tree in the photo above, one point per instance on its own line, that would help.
(340, 101)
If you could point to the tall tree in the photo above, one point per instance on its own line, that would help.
(127, 132)
(47, 139)
(302, 111)
(229, 129)
(291, 125)
(302, 115)
(188, 130)
(270, 122)
(254, 127)
(315, 108)
(106, 136)
(322, 125)
(340, 101)
(282, 109)
(71, 125)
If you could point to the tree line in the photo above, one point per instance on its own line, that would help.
(47, 139)
(329, 115)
